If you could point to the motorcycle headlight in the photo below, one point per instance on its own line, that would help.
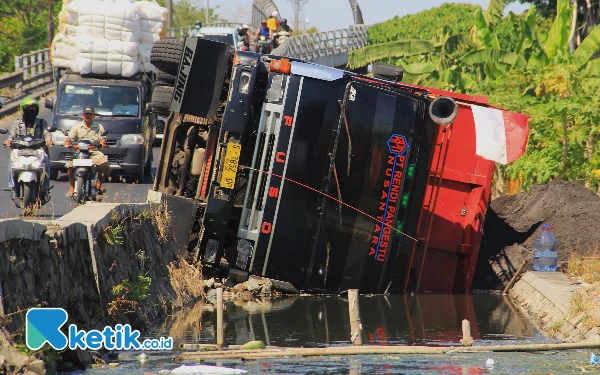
(58, 138)
(132, 139)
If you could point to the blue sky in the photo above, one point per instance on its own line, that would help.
(335, 14)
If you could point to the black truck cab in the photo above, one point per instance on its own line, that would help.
(121, 107)
(301, 173)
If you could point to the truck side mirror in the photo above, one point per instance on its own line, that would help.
(147, 109)
(49, 103)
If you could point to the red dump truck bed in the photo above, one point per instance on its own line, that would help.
(454, 208)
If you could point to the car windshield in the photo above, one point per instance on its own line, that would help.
(223, 38)
(113, 101)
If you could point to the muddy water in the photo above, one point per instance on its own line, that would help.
(316, 321)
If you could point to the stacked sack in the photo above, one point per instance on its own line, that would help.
(107, 36)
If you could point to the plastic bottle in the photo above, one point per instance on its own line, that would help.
(545, 256)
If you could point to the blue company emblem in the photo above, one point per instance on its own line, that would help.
(43, 326)
(398, 144)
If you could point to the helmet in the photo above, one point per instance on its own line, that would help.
(245, 26)
(28, 101)
(198, 24)
(284, 21)
(275, 13)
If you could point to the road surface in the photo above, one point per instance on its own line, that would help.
(117, 190)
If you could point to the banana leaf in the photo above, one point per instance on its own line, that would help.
(401, 48)
(494, 12)
(589, 46)
(592, 68)
(486, 55)
(558, 37)
(421, 67)
(483, 34)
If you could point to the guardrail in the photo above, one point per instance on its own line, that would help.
(311, 46)
(180, 32)
(33, 72)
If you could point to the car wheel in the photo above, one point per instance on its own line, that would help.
(166, 54)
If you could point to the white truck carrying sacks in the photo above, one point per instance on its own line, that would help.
(107, 36)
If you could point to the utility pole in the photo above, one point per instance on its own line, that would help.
(50, 23)
(170, 15)
(207, 9)
(297, 6)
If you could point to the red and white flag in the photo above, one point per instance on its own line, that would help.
(500, 136)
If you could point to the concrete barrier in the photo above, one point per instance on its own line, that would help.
(81, 262)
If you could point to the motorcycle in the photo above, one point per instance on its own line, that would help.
(282, 36)
(85, 170)
(28, 171)
(262, 46)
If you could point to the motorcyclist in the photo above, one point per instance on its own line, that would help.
(88, 130)
(196, 32)
(30, 124)
(284, 26)
(264, 31)
(244, 35)
(273, 25)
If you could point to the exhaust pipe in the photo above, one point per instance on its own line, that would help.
(443, 110)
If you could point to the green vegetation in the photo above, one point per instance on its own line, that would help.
(522, 63)
(187, 12)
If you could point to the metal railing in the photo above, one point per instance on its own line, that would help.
(33, 72)
(180, 32)
(311, 46)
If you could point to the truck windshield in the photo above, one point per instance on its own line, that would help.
(223, 38)
(114, 101)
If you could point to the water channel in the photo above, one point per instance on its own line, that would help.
(317, 321)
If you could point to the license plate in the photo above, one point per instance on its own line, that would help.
(230, 166)
(83, 162)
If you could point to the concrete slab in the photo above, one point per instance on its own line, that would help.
(554, 286)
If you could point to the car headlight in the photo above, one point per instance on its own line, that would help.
(58, 138)
(132, 139)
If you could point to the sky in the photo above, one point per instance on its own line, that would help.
(336, 14)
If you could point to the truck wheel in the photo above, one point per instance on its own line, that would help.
(165, 79)
(165, 55)
(161, 100)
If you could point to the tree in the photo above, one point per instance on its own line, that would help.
(187, 12)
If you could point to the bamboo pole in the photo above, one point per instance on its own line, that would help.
(368, 350)
(467, 340)
(514, 278)
(220, 318)
(355, 324)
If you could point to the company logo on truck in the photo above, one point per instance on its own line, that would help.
(184, 71)
(390, 194)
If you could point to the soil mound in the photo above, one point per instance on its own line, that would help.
(513, 223)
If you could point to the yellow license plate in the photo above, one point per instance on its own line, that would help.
(230, 167)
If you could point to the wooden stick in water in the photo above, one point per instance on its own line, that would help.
(220, 340)
(355, 324)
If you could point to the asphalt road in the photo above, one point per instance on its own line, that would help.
(117, 190)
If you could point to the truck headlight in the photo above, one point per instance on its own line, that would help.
(132, 139)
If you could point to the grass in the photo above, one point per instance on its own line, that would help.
(585, 266)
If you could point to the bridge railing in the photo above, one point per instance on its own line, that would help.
(311, 46)
(180, 32)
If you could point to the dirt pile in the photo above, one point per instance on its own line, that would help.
(513, 223)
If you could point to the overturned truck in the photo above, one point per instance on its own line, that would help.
(318, 177)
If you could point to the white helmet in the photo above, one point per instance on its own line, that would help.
(245, 26)
(275, 13)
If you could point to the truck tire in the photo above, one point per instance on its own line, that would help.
(165, 55)
(164, 79)
(161, 100)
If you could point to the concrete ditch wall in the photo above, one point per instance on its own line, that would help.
(76, 261)
(547, 297)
